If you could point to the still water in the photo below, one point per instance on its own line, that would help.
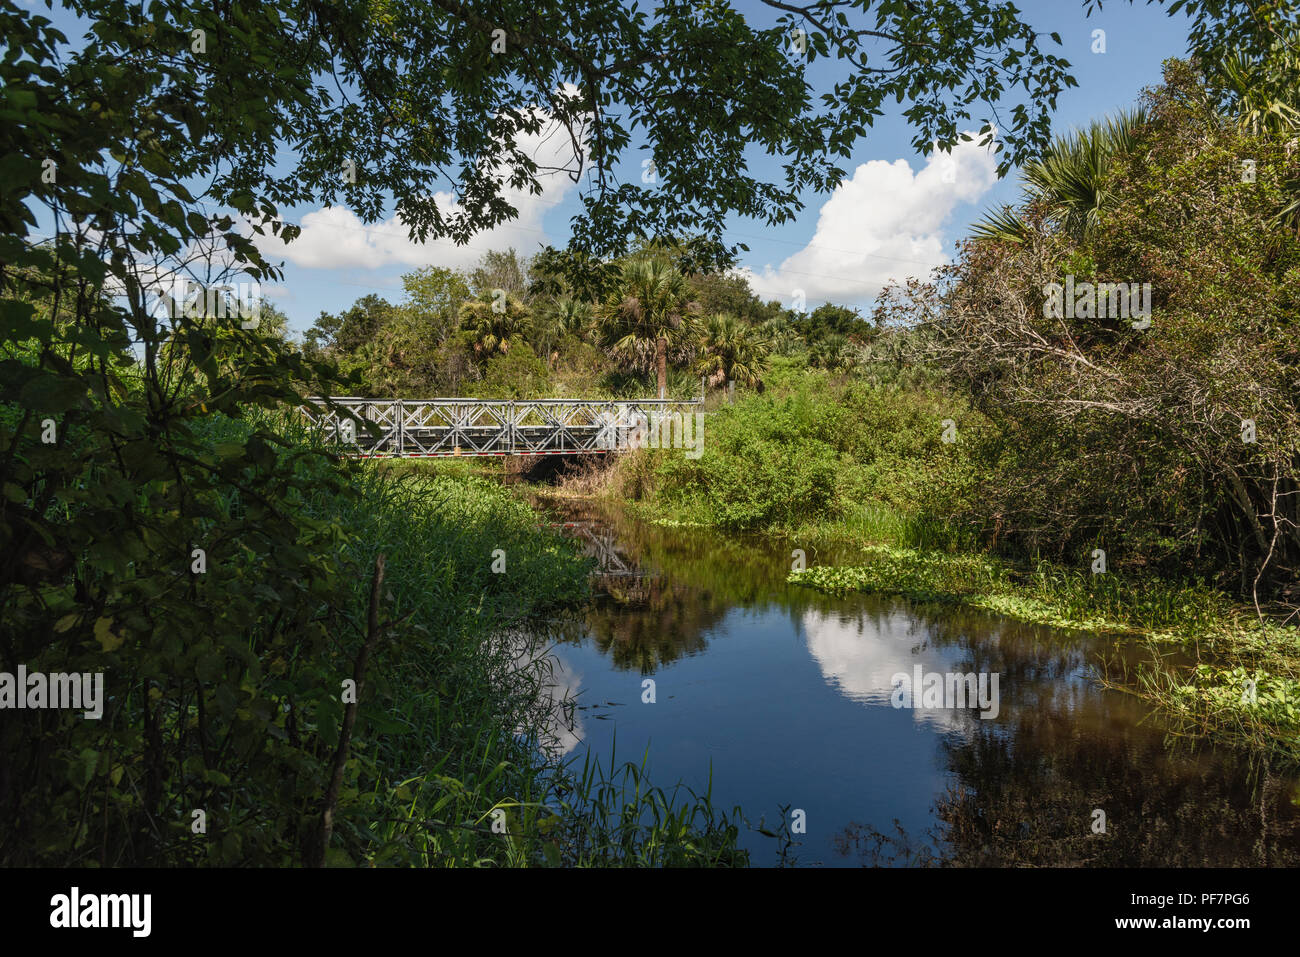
(785, 694)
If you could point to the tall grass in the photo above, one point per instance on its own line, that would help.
(871, 523)
(451, 760)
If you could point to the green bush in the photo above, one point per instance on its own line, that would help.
(765, 462)
(815, 447)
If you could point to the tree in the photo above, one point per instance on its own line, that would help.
(559, 319)
(495, 324)
(1169, 433)
(557, 273)
(782, 330)
(1261, 91)
(649, 314)
(831, 320)
(731, 351)
(517, 374)
(395, 350)
(1067, 184)
(730, 294)
(500, 270)
(434, 294)
(833, 352)
(350, 330)
(271, 320)
(1249, 71)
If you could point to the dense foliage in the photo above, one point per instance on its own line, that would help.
(656, 328)
(1169, 438)
(160, 527)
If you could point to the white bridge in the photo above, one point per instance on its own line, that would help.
(391, 428)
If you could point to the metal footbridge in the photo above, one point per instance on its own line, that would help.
(411, 428)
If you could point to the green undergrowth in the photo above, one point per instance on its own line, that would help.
(807, 454)
(453, 766)
(230, 685)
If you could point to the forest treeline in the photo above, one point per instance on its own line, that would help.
(520, 327)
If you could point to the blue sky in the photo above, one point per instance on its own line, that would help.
(897, 213)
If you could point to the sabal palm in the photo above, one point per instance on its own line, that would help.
(780, 334)
(1261, 97)
(833, 353)
(1261, 91)
(495, 330)
(731, 351)
(649, 312)
(562, 317)
(567, 316)
(1068, 181)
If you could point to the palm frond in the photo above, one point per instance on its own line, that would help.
(1068, 180)
(1003, 225)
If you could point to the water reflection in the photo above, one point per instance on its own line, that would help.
(1028, 799)
(786, 693)
(859, 655)
(533, 674)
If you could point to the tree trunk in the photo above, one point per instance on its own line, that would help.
(661, 365)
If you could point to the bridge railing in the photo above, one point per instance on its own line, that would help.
(453, 426)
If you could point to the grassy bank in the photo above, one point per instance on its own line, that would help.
(274, 682)
(453, 759)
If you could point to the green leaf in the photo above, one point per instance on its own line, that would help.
(107, 640)
(49, 394)
(82, 771)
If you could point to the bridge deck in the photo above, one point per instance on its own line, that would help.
(414, 428)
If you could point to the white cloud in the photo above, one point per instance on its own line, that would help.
(884, 223)
(334, 237)
(859, 657)
(556, 682)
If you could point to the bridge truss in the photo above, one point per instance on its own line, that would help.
(413, 428)
(601, 543)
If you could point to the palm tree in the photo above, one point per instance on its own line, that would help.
(1068, 181)
(1261, 91)
(562, 317)
(730, 350)
(495, 329)
(649, 312)
(781, 334)
(833, 352)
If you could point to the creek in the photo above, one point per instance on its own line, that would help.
(786, 697)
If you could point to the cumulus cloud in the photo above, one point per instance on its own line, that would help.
(557, 683)
(334, 237)
(860, 655)
(885, 223)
